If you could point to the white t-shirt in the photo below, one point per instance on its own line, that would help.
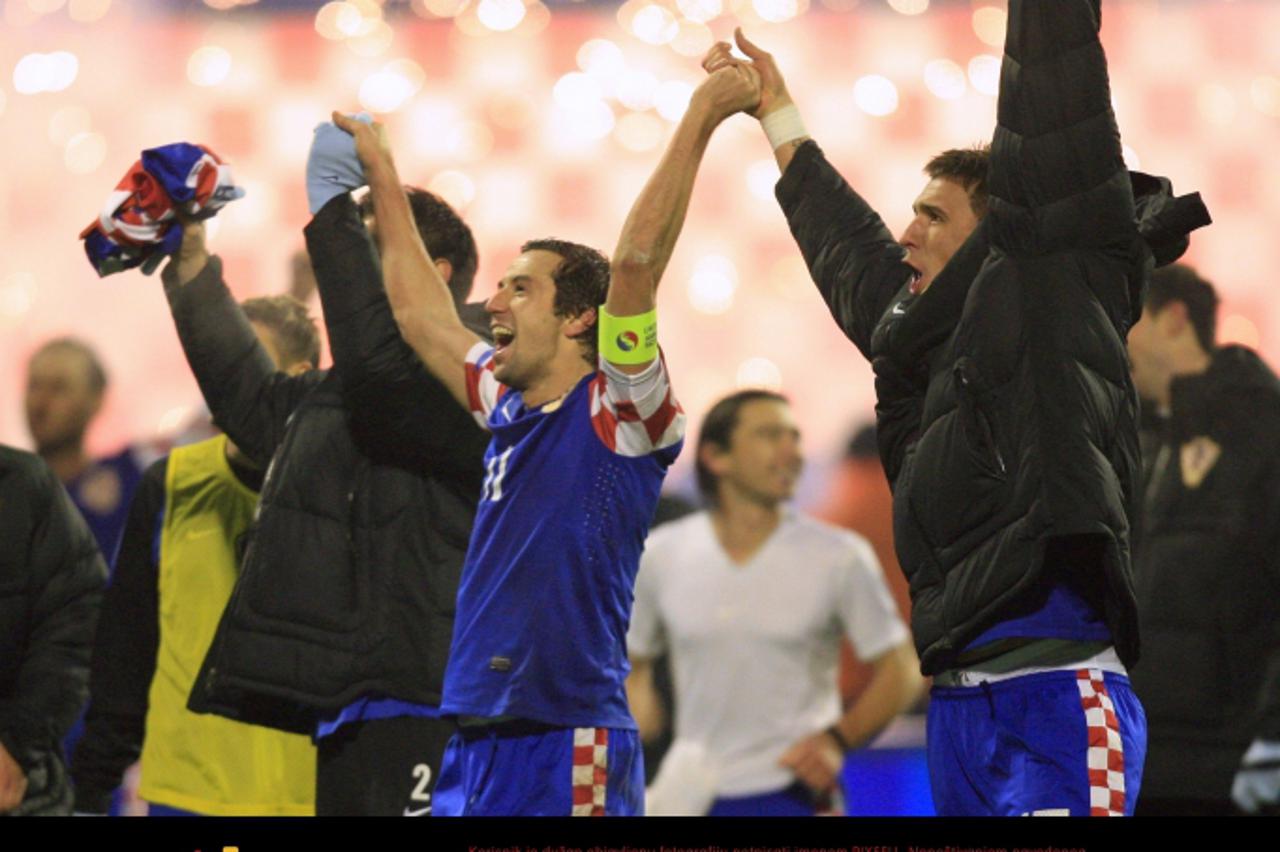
(754, 648)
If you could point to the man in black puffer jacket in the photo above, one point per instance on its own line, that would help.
(51, 579)
(340, 623)
(1206, 558)
(1007, 419)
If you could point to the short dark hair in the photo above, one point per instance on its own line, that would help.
(967, 167)
(97, 373)
(444, 234)
(717, 429)
(582, 283)
(1180, 283)
(294, 328)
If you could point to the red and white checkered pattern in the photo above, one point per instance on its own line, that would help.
(1105, 757)
(635, 415)
(590, 770)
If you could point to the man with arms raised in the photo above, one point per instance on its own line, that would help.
(581, 441)
(1007, 418)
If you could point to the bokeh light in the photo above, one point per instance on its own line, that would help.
(384, 92)
(875, 95)
(455, 187)
(984, 74)
(759, 372)
(636, 89)
(692, 39)
(500, 15)
(776, 11)
(17, 295)
(88, 11)
(713, 284)
(577, 90)
(700, 11)
(85, 152)
(602, 59)
(655, 25)
(989, 25)
(909, 7)
(945, 79)
(45, 72)
(672, 99)
(209, 65)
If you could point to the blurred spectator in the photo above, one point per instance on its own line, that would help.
(66, 384)
(51, 577)
(174, 574)
(751, 600)
(1206, 559)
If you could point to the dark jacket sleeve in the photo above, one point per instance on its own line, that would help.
(851, 255)
(66, 574)
(1058, 180)
(250, 400)
(124, 654)
(400, 414)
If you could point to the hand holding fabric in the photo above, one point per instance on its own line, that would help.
(333, 167)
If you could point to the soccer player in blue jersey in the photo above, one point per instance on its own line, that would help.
(584, 427)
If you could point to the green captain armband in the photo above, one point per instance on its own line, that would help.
(629, 340)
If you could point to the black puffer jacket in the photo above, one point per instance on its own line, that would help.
(1207, 570)
(349, 580)
(1007, 419)
(51, 581)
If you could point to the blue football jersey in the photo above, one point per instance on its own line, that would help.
(546, 590)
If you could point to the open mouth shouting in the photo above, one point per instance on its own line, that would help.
(502, 337)
(916, 276)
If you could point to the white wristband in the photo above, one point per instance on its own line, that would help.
(783, 125)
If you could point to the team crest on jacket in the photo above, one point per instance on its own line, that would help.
(1198, 456)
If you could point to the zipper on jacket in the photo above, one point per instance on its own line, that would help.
(988, 434)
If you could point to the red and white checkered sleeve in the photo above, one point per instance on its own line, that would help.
(635, 415)
(483, 388)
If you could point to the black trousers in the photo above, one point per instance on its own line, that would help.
(383, 767)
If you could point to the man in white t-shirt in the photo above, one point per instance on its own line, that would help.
(751, 600)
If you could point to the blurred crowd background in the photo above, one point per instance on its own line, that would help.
(541, 120)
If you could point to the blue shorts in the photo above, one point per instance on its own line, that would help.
(796, 800)
(526, 770)
(1054, 743)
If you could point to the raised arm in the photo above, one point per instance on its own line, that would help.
(250, 399)
(649, 234)
(420, 299)
(400, 413)
(1056, 151)
(853, 259)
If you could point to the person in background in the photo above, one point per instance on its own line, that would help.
(66, 387)
(176, 567)
(51, 579)
(752, 600)
(1206, 558)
